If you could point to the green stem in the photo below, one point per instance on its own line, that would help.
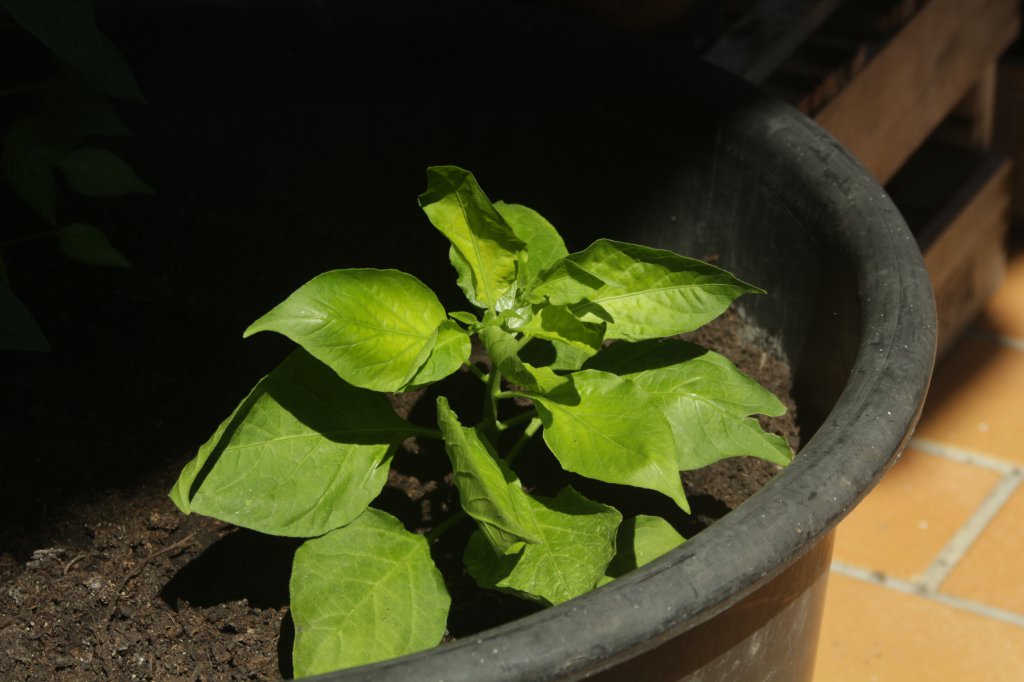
(422, 431)
(524, 438)
(491, 424)
(477, 372)
(518, 419)
(22, 88)
(443, 527)
(28, 238)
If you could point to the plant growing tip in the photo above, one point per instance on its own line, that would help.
(307, 453)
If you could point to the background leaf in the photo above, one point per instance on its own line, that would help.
(651, 293)
(485, 248)
(18, 329)
(68, 28)
(576, 541)
(95, 172)
(605, 427)
(80, 111)
(303, 454)
(488, 490)
(640, 540)
(375, 328)
(705, 398)
(32, 148)
(86, 244)
(364, 593)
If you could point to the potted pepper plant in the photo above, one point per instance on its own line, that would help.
(660, 156)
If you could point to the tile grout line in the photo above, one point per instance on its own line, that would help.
(1001, 339)
(964, 538)
(963, 456)
(917, 590)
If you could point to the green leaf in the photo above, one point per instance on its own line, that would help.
(95, 172)
(485, 251)
(468, 319)
(86, 244)
(557, 323)
(80, 111)
(451, 350)
(488, 490)
(303, 454)
(31, 149)
(576, 543)
(364, 593)
(651, 293)
(544, 246)
(605, 427)
(18, 329)
(565, 283)
(375, 328)
(503, 349)
(640, 540)
(68, 28)
(705, 398)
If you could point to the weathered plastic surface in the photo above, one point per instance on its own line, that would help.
(336, 103)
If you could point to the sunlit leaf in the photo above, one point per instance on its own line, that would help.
(485, 249)
(303, 454)
(375, 328)
(575, 543)
(544, 246)
(640, 540)
(488, 490)
(705, 398)
(364, 593)
(605, 427)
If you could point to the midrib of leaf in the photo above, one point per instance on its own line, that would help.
(549, 555)
(476, 250)
(356, 323)
(634, 294)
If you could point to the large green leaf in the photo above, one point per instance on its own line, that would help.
(303, 454)
(606, 427)
(364, 593)
(485, 247)
(95, 172)
(488, 490)
(648, 293)
(503, 348)
(18, 329)
(68, 28)
(576, 541)
(87, 244)
(544, 246)
(32, 148)
(705, 398)
(640, 540)
(375, 328)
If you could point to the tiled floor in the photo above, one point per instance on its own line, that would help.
(927, 583)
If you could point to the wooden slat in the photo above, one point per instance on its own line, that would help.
(907, 89)
(967, 259)
(1009, 128)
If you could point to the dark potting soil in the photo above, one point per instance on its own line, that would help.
(102, 577)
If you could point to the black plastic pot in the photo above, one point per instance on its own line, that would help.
(605, 136)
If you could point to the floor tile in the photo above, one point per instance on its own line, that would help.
(910, 516)
(992, 572)
(874, 634)
(1004, 312)
(975, 400)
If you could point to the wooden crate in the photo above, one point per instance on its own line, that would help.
(957, 203)
(884, 76)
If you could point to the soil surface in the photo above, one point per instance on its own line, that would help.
(103, 578)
